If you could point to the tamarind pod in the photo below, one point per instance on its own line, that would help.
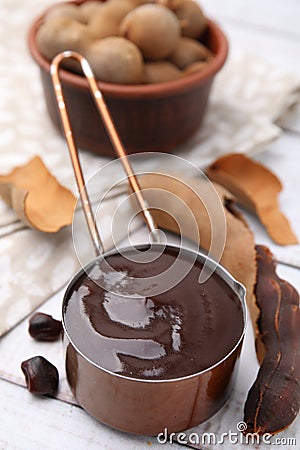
(273, 401)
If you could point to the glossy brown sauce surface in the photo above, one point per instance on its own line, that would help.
(167, 335)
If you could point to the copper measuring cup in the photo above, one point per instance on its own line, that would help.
(142, 406)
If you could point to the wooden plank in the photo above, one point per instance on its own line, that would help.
(29, 422)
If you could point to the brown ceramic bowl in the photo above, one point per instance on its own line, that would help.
(155, 117)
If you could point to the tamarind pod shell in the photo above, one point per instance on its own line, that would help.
(273, 401)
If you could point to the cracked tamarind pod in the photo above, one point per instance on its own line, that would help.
(273, 401)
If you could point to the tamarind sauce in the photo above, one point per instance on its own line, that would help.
(178, 332)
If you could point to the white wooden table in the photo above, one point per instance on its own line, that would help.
(269, 29)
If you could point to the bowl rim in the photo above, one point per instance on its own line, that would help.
(136, 90)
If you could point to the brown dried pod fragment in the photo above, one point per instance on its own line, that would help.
(273, 401)
(238, 257)
(37, 197)
(256, 188)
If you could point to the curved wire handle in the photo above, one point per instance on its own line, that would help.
(114, 138)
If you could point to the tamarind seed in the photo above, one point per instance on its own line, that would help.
(44, 327)
(41, 376)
